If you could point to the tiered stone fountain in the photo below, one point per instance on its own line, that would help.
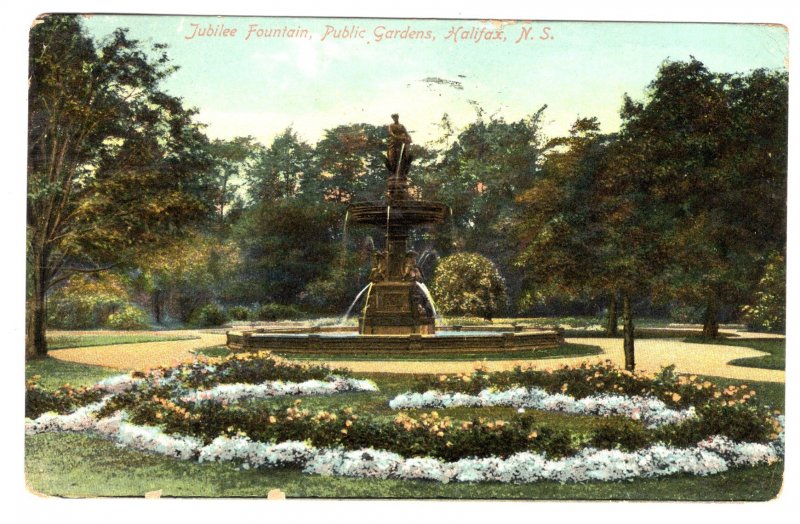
(398, 313)
(397, 302)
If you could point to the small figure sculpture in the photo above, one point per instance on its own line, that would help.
(398, 143)
(410, 269)
(378, 272)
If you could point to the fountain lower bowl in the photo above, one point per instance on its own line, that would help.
(398, 213)
(346, 340)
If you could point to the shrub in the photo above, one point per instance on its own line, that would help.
(687, 314)
(207, 316)
(737, 421)
(129, 317)
(469, 284)
(63, 400)
(239, 313)
(768, 310)
(272, 312)
(592, 379)
(85, 301)
(624, 435)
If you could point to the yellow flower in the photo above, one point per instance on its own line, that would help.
(676, 397)
(466, 378)
(344, 431)
(272, 419)
(440, 434)
(532, 435)
(564, 387)
(442, 378)
(348, 423)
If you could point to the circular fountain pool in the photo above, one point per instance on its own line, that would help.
(346, 340)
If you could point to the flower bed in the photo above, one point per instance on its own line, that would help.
(185, 413)
(710, 456)
(228, 379)
(590, 380)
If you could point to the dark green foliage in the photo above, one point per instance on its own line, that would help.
(741, 423)
(239, 312)
(272, 312)
(624, 435)
(208, 316)
(285, 244)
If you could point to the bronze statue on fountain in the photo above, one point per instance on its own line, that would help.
(396, 302)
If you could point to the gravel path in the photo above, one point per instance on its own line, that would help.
(141, 355)
(651, 355)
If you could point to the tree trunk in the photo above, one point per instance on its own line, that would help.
(710, 323)
(627, 323)
(35, 309)
(611, 326)
(156, 298)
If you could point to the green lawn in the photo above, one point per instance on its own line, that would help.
(108, 339)
(72, 465)
(776, 359)
(54, 373)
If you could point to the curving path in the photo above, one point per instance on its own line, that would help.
(651, 355)
(142, 355)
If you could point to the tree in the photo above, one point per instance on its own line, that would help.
(285, 244)
(114, 163)
(469, 284)
(562, 242)
(713, 148)
(350, 164)
(232, 160)
(489, 163)
(191, 272)
(281, 170)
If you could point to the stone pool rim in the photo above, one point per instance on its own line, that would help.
(471, 339)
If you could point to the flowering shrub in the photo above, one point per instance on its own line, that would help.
(587, 379)
(248, 368)
(64, 399)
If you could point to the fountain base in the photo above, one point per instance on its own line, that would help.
(338, 341)
(397, 308)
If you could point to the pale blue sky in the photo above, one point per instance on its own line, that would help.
(262, 85)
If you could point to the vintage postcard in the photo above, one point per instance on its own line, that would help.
(374, 258)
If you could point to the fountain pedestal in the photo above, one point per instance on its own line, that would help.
(396, 308)
(397, 303)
